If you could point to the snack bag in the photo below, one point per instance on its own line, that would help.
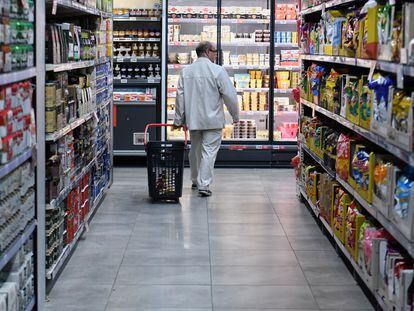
(351, 99)
(362, 171)
(326, 193)
(365, 103)
(343, 155)
(369, 36)
(332, 92)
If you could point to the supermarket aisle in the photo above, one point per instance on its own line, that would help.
(250, 246)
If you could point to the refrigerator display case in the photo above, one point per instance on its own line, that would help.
(259, 49)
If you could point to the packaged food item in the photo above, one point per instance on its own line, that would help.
(343, 157)
(341, 202)
(382, 187)
(381, 100)
(354, 221)
(362, 172)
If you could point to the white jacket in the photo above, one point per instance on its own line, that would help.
(202, 90)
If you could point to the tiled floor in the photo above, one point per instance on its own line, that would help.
(251, 246)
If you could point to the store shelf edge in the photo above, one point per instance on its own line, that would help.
(80, 8)
(376, 139)
(14, 163)
(14, 248)
(16, 76)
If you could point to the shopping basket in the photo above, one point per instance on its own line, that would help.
(165, 164)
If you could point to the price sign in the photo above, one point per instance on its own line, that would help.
(133, 60)
(124, 81)
(151, 80)
(120, 60)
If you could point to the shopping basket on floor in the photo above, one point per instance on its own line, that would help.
(165, 164)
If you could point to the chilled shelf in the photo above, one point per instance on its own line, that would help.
(227, 21)
(70, 127)
(287, 45)
(68, 8)
(136, 60)
(137, 40)
(16, 76)
(136, 19)
(15, 163)
(407, 157)
(193, 43)
(136, 81)
(17, 244)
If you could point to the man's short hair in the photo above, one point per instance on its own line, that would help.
(203, 47)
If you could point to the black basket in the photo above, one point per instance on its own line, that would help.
(165, 163)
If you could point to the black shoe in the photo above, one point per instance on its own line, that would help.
(204, 193)
(194, 186)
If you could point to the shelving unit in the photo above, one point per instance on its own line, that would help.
(138, 69)
(66, 196)
(336, 117)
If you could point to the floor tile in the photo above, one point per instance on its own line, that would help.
(245, 229)
(257, 275)
(239, 297)
(150, 257)
(298, 229)
(341, 298)
(173, 296)
(93, 273)
(218, 217)
(237, 207)
(253, 258)
(169, 242)
(249, 242)
(309, 243)
(163, 275)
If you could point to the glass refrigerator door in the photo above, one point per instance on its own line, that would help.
(187, 26)
(245, 49)
(286, 71)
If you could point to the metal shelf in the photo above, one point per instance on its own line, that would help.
(136, 19)
(17, 244)
(136, 81)
(326, 5)
(76, 65)
(15, 163)
(136, 60)
(66, 8)
(287, 45)
(318, 160)
(374, 138)
(235, 43)
(31, 304)
(16, 76)
(136, 40)
(70, 127)
(214, 21)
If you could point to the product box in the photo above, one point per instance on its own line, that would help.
(407, 52)
(400, 132)
(341, 201)
(402, 210)
(326, 188)
(382, 195)
(368, 34)
(382, 91)
(365, 104)
(350, 99)
(362, 171)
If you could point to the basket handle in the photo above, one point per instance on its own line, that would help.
(164, 124)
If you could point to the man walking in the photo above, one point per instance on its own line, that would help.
(202, 90)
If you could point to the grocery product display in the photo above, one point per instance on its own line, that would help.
(137, 74)
(356, 138)
(259, 50)
(77, 125)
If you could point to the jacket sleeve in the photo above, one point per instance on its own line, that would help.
(179, 118)
(229, 94)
